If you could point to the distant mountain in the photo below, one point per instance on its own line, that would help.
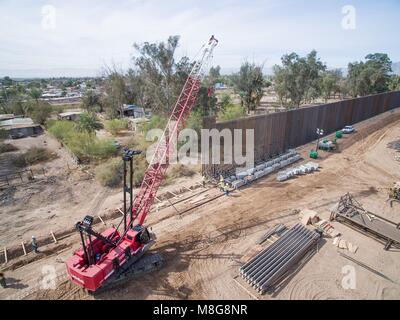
(396, 67)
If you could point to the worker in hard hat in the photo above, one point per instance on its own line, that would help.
(3, 280)
(35, 245)
(203, 180)
(221, 183)
(226, 189)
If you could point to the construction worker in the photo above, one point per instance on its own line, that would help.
(226, 189)
(203, 180)
(3, 280)
(35, 245)
(221, 183)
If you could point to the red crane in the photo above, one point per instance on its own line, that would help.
(112, 256)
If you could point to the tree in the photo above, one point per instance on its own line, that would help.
(394, 83)
(35, 94)
(371, 76)
(249, 84)
(225, 101)
(158, 66)
(115, 92)
(91, 101)
(88, 123)
(330, 83)
(7, 81)
(214, 76)
(299, 77)
(40, 112)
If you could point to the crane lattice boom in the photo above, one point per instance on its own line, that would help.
(156, 171)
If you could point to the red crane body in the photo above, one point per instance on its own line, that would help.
(110, 252)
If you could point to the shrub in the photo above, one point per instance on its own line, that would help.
(41, 112)
(110, 174)
(61, 129)
(33, 156)
(231, 112)
(115, 126)
(6, 147)
(138, 142)
(156, 122)
(87, 146)
(139, 168)
(195, 121)
(3, 134)
(88, 122)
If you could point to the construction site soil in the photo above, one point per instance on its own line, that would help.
(203, 239)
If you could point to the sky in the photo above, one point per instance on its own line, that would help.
(78, 38)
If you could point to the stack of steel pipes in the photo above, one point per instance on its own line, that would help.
(272, 264)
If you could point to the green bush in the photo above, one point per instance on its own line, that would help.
(156, 122)
(62, 129)
(3, 134)
(138, 142)
(88, 122)
(115, 126)
(110, 174)
(231, 112)
(41, 112)
(195, 121)
(139, 169)
(85, 145)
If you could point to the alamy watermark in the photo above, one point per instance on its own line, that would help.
(49, 17)
(184, 147)
(349, 20)
(49, 278)
(349, 280)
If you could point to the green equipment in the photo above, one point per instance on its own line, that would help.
(326, 145)
(313, 154)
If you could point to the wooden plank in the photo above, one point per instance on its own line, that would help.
(54, 237)
(23, 248)
(102, 221)
(5, 255)
(244, 288)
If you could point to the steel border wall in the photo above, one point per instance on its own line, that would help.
(275, 133)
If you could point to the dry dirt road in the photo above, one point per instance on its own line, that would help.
(203, 247)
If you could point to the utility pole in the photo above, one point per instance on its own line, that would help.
(320, 133)
(128, 157)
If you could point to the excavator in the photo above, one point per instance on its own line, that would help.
(115, 255)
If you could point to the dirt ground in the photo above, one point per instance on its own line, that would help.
(58, 198)
(202, 248)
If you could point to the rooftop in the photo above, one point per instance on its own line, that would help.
(70, 113)
(17, 123)
(6, 117)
